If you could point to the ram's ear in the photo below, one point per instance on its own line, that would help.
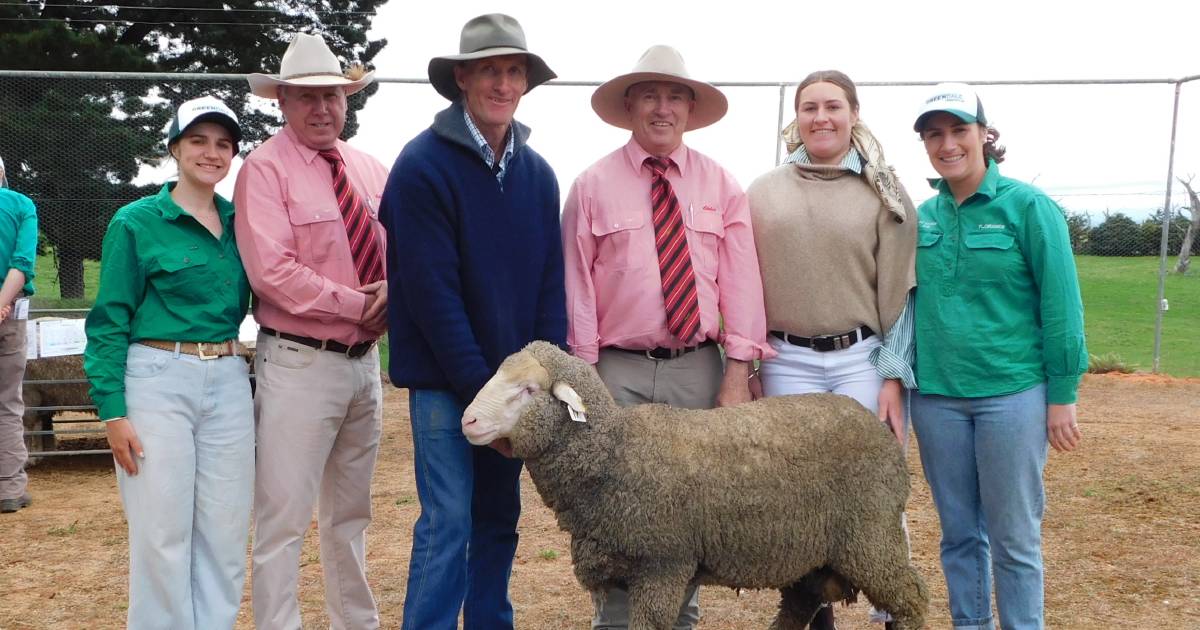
(574, 402)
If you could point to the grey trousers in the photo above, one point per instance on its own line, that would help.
(319, 417)
(12, 409)
(690, 381)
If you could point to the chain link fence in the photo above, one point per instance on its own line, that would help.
(82, 145)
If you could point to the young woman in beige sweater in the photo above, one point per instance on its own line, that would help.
(836, 238)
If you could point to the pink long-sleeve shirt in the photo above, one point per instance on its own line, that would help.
(614, 289)
(293, 241)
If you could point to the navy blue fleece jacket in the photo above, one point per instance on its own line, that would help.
(475, 272)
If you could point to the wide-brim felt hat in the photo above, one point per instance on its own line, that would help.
(307, 62)
(491, 35)
(659, 63)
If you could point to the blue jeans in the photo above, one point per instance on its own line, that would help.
(466, 536)
(983, 459)
(188, 507)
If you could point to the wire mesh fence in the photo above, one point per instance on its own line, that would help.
(81, 145)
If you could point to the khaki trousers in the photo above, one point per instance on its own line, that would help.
(319, 416)
(690, 381)
(12, 409)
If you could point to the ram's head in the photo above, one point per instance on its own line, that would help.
(522, 402)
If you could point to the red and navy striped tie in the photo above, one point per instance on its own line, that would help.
(364, 247)
(674, 257)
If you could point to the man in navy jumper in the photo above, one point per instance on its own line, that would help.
(476, 272)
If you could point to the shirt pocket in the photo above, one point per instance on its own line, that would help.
(706, 230)
(317, 229)
(927, 258)
(992, 257)
(184, 277)
(618, 239)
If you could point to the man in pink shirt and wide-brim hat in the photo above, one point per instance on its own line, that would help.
(658, 251)
(310, 239)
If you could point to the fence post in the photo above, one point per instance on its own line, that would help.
(779, 127)
(1166, 227)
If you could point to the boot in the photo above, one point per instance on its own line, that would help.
(823, 620)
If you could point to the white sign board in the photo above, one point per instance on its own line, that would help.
(31, 339)
(59, 337)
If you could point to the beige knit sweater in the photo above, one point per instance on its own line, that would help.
(832, 256)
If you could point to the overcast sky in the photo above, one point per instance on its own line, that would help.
(1084, 145)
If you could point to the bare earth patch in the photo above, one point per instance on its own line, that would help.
(1122, 533)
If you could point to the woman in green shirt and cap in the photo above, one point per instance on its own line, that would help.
(171, 382)
(1000, 352)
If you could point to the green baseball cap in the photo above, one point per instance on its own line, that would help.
(956, 99)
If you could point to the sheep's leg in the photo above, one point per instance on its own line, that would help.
(903, 595)
(654, 601)
(798, 603)
(881, 569)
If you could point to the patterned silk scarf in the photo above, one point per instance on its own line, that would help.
(876, 170)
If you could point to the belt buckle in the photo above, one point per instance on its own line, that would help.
(366, 347)
(206, 357)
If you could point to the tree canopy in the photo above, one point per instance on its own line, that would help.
(75, 145)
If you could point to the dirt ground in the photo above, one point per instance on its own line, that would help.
(1122, 533)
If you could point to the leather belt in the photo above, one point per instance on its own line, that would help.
(206, 351)
(662, 354)
(355, 351)
(827, 342)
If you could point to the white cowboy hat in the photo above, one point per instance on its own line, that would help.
(659, 63)
(307, 62)
(491, 35)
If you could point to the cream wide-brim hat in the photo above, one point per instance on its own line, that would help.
(307, 62)
(491, 35)
(659, 63)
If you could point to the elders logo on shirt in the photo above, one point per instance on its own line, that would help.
(990, 226)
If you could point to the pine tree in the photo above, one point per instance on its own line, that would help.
(75, 145)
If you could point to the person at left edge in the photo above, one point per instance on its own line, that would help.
(172, 385)
(18, 253)
(312, 247)
(476, 266)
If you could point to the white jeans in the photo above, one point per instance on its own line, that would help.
(849, 372)
(188, 507)
(800, 370)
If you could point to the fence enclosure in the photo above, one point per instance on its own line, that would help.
(81, 145)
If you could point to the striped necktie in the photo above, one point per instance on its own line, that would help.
(674, 257)
(364, 247)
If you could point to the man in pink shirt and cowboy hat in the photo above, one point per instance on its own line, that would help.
(311, 242)
(658, 252)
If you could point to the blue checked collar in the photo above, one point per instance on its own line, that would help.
(485, 149)
(852, 162)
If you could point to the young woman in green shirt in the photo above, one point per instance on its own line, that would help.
(171, 382)
(1000, 352)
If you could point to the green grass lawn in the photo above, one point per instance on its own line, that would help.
(46, 294)
(1118, 296)
(1119, 305)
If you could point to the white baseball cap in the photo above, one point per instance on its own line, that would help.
(956, 99)
(204, 109)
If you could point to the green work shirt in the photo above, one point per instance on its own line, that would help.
(997, 302)
(162, 276)
(18, 236)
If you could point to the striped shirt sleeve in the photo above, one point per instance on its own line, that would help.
(895, 358)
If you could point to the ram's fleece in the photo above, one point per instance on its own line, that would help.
(799, 493)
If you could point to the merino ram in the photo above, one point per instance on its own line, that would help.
(798, 493)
